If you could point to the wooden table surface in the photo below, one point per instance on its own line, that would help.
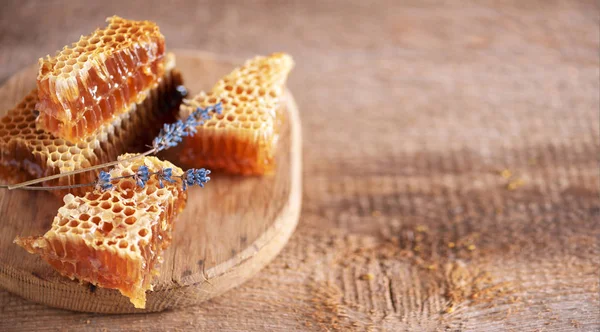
(450, 161)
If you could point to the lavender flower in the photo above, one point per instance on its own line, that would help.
(172, 134)
(191, 123)
(202, 176)
(165, 174)
(195, 177)
(182, 90)
(141, 176)
(103, 183)
(202, 113)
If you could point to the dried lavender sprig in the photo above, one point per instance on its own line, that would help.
(38, 188)
(193, 176)
(189, 178)
(22, 185)
(169, 136)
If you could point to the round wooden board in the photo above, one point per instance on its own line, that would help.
(229, 230)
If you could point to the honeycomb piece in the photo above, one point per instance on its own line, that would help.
(114, 239)
(27, 153)
(241, 140)
(89, 83)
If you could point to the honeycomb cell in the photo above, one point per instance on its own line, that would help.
(107, 226)
(111, 251)
(85, 85)
(117, 208)
(242, 140)
(129, 211)
(34, 153)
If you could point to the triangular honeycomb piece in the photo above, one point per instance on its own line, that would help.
(114, 239)
(241, 140)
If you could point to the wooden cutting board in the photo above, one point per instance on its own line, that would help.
(229, 231)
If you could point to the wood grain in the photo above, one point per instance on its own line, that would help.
(410, 112)
(228, 232)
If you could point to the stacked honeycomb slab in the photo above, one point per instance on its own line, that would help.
(93, 81)
(28, 153)
(114, 239)
(241, 140)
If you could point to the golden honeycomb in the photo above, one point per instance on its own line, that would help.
(89, 83)
(28, 153)
(241, 140)
(114, 239)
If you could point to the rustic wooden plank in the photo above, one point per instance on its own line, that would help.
(411, 110)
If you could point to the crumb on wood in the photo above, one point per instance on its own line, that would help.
(376, 213)
(421, 229)
(515, 184)
(514, 299)
(506, 173)
(367, 276)
(576, 324)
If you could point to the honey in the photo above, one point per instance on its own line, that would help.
(114, 239)
(243, 138)
(27, 153)
(93, 81)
